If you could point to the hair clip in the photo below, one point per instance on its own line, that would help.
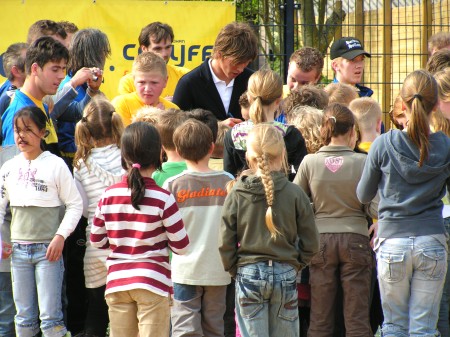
(333, 118)
(418, 96)
(84, 119)
(136, 166)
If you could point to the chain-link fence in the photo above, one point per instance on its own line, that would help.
(395, 33)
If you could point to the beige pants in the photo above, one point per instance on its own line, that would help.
(138, 311)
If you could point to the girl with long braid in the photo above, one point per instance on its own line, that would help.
(267, 235)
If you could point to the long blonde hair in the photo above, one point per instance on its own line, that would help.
(308, 121)
(264, 88)
(440, 122)
(265, 150)
(419, 94)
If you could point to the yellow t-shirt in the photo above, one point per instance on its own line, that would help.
(174, 73)
(286, 91)
(52, 137)
(365, 146)
(127, 105)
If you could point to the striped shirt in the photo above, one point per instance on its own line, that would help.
(139, 239)
(102, 169)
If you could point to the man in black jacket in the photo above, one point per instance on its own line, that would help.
(218, 82)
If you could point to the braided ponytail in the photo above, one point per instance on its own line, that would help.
(266, 153)
(269, 190)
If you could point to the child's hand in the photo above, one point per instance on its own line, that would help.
(373, 229)
(6, 250)
(55, 248)
(231, 122)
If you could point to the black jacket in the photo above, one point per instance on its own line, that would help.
(196, 89)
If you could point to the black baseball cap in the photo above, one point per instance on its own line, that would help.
(348, 48)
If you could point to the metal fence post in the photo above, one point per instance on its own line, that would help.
(288, 33)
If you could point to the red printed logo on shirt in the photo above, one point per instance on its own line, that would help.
(334, 163)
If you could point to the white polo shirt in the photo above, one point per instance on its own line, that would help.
(224, 90)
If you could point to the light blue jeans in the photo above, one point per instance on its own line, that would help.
(266, 300)
(443, 322)
(7, 308)
(37, 286)
(411, 273)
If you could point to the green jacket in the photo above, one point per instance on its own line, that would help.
(244, 237)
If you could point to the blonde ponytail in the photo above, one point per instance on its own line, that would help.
(256, 111)
(267, 181)
(264, 88)
(266, 152)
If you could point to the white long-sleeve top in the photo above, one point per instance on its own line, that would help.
(102, 169)
(29, 185)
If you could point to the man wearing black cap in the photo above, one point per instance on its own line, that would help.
(347, 55)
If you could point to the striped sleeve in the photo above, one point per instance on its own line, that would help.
(172, 221)
(98, 235)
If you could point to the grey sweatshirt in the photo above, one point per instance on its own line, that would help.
(410, 196)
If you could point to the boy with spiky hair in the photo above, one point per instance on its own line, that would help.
(200, 283)
(45, 67)
(150, 79)
(156, 37)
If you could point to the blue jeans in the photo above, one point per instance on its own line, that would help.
(7, 308)
(443, 323)
(37, 286)
(266, 300)
(411, 272)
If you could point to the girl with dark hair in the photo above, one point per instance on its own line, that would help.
(329, 177)
(36, 184)
(139, 222)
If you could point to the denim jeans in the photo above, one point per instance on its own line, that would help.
(266, 300)
(411, 273)
(198, 310)
(7, 308)
(443, 322)
(37, 286)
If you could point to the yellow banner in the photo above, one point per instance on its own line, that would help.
(195, 24)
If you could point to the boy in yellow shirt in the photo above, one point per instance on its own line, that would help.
(368, 114)
(150, 79)
(156, 37)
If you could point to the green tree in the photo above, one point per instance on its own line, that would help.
(317, 22)
(318, 31)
